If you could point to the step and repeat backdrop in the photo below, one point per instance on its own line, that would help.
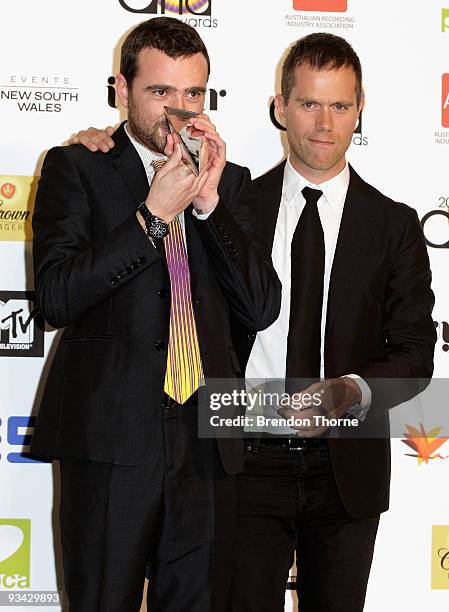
(57, 76)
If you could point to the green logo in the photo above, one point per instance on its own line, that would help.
(444, 19)
(15, 541)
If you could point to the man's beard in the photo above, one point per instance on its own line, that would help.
(152, 137)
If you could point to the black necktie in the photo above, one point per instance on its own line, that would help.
(307, 279)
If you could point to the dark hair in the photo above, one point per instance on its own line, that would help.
(167, 34)
(321, 51)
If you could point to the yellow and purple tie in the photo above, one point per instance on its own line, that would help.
(184, 369)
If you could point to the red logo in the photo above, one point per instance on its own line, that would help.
(8, 190)
(328, 6)
(445, 102)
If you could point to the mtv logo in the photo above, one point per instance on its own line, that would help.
(444, 19)
(327, 6)
(21, 326)
(16, 321)
(445, 101)
(15, 548)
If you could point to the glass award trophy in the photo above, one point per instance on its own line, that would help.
(178, 121)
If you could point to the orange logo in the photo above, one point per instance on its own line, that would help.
(445, 102)
(8, 190)
(328, 6)
(425, 444)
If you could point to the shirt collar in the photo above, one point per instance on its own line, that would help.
(146, 155)
(334, 189)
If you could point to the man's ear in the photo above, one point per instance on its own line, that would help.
(280, 105)
(122, 89)
(361, 107)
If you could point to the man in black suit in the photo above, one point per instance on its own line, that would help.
(144, 284)
(356, 308)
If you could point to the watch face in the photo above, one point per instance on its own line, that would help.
(158, 228)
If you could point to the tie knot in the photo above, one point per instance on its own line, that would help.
(158, 164)
(311, 196)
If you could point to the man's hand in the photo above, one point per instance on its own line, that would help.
(212, 155)
(330, 398)
(94, 139)
(174, 186)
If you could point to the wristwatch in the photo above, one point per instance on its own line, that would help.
(156, 227)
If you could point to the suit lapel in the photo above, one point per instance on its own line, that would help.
(353, 243)
(269, 192)
(129, 165)
(354, 237)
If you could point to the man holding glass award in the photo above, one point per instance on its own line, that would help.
(138, 254)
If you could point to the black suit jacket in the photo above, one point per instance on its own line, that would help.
(98, 275)
(378, 323)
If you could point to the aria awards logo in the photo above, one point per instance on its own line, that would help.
(325, 6)
(196, 13)
(178, 7)
(326, 15)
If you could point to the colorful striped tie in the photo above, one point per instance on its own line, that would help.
(184, 369)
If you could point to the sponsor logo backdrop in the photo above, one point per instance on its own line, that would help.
(57, 77)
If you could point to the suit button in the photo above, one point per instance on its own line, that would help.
(114, 280)
(129, 270)
(121, 275)
(160, 345)
(163, 293)
(251, 335)
(141, 260)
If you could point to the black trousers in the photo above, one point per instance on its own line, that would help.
(287, 501)
(117, 520)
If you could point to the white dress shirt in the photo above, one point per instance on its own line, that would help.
(268, 358)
